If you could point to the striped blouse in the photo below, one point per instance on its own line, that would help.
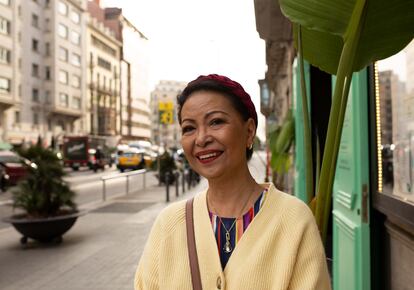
(238, 229)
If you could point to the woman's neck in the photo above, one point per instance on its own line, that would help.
(232, 197)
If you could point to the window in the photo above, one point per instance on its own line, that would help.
(5, 2)
(19, 90)
(395, 89)
(5, 56)
(5, 85)
(104, 63)
(47, 49)
(4, 26)
(35, 45)
(63, 77)
(35, 20)
(47, 24)
(35, 95)
(17, 117)
(76, 103)
(63, 8)
(35, 119)
(76, 59)
(47, 97)
(63, 99)
(75, 38)
(76, 81)
(101, 45)
(35, 70)
(47, 73)
(62, 31)
(75, 16)
(63, 54)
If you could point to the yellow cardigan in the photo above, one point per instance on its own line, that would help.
(281, 250)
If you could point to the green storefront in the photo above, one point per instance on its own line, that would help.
(371, 238)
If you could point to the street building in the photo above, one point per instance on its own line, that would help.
(70, 67)
(9, 84)
(44, 44)
(103, 77)
(165, 129)
(134, 117)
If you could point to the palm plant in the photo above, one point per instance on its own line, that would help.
(43, 193)
(342, 37)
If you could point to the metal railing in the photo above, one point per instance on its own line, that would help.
(125, 175)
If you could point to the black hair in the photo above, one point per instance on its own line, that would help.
(214, 86)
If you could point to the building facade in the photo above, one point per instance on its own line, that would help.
(9, 83)
(47, 64)
(166, 134)
(134, 99)
(70, 67)
(103, 77)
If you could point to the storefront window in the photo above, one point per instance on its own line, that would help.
(395, 113)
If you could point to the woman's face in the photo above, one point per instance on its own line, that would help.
(214, 135)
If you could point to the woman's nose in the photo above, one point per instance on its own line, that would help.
(202, 138)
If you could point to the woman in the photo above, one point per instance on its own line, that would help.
(247, 235)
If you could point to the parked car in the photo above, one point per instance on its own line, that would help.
(98, 160)
(131, 158)
(13, 167)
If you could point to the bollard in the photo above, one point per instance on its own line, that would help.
(167, 184)
(104, 190)
(183, 181)
(127, 184)
(176, 174)
(144, 179)
(189, 179)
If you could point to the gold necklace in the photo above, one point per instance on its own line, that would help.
(227, 246)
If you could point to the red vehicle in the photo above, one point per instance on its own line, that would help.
(13, 166)
(80, 151)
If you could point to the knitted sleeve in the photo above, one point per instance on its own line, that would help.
(146, 276)
(310, 271)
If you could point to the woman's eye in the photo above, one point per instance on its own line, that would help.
(187, 129)
(216, 122)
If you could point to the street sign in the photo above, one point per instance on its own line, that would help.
(166, 112)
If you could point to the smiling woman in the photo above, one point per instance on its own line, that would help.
(246, 235)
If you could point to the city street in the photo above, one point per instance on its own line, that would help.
(88, 187)
(102, 250)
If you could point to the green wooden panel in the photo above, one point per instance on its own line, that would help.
(351, 256)
(299, 178)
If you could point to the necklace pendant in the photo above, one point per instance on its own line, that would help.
(227, 248)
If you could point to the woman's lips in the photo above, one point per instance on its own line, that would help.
(208, 156)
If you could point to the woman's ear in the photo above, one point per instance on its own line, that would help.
(251, 131)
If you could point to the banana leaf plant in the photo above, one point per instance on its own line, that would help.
(342, 37)
(281, 139)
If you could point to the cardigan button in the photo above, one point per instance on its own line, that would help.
(218, 283)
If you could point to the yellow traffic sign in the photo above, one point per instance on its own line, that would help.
(166, 117)
(165, 106)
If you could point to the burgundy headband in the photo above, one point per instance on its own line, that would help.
(235, 89)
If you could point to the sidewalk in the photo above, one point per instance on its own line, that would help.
(101, 251)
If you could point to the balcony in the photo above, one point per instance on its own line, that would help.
(64, 111)
(6, 101)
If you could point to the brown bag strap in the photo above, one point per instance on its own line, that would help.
(192, 252)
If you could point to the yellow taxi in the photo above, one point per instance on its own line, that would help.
(130, 158)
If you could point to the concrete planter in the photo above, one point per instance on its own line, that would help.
(43, 229)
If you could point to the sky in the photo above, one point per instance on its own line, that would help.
(188, 38)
